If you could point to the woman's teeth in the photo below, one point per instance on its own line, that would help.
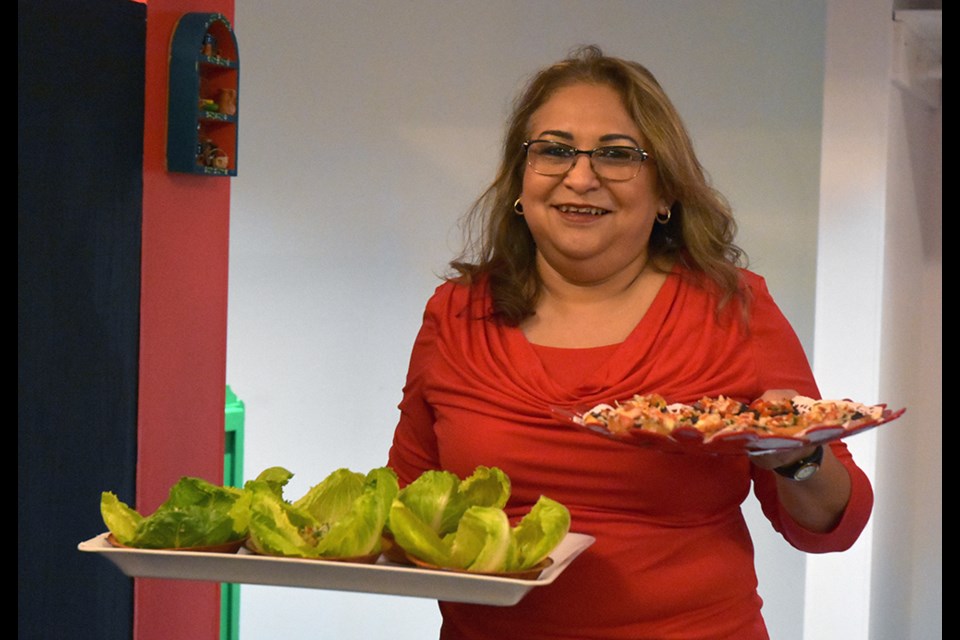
(593, 211)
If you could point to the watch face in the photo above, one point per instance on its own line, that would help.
(806, 471)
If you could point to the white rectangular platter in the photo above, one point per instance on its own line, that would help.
(384, 577)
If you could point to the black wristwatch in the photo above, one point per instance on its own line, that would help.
(803, 468)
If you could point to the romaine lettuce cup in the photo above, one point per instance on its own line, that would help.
(342, 518)
(438, 521)
(197, 515)
(440, 498)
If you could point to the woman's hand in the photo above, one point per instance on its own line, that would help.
(818, 502)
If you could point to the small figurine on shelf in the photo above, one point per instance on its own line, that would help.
(210, 155)
(209, 48)
(221, 160)
(207, 104)
(206, 151)
(227, 101)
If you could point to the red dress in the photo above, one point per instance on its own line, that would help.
(673, 557)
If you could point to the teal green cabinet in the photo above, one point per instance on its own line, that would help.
(234, 410)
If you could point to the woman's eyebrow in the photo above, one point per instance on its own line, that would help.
(566, 135)
(619, 136)
(557, 134)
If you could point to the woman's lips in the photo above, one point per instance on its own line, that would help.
(582, 210)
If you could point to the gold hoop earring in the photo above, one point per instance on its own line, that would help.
(518, 207)
(663, 217)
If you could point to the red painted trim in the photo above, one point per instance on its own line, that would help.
(183, 328)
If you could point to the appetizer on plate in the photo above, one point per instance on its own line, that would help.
(723, 424)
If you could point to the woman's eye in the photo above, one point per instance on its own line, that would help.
(556, 151)
(615, 154)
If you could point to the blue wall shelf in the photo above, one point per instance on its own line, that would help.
(203, 118)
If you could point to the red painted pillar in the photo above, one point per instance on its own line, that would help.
(183, 335)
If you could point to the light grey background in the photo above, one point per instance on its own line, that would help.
(366, 131)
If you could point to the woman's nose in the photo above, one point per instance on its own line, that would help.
(581, 175)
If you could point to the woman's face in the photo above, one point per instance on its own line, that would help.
(587, 228)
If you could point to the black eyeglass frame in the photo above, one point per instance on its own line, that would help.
(590, 153)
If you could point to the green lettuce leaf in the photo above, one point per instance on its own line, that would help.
(432, 519)
(440, 498)
(121, 520)
(482, 542)
(196, 513)
(334, 497)
(486, 487)
(417, 537)
(538, 533)
(276, 478)
(358, 530)
(343, 516)
(276, 526)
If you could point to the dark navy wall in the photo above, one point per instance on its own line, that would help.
(80, 149)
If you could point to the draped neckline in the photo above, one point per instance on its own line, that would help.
(611, 364)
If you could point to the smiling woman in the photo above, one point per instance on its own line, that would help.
(605, 105)
(590, 231)
(605, 269)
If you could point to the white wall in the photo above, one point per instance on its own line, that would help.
(367, 129)
(878, 326)
(907, 564)
(907, 595)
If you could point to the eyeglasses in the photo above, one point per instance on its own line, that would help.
(617, 163)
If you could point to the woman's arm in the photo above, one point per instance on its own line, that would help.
(414, 448)
(827, 511)
(818, 502)
(810, 516)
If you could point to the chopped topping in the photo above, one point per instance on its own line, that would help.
(711, 416)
